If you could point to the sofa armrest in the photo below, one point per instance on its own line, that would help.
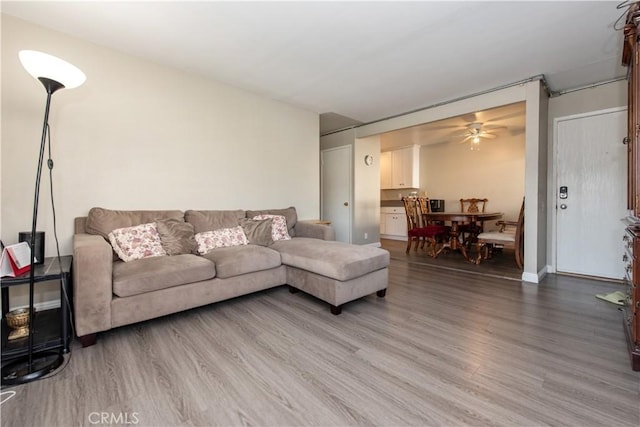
(92, 283)
(317, 231)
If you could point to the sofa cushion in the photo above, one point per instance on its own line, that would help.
(258, 231)
(289, 213)
(176, 236)
(137, 242)
(337, 260)
(236, 260)
(151, 274)
(103, 221)
(213, 220)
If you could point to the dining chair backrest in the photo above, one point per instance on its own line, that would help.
(411, 211)
(424, 207)
(511, 234)
(473, 205)
(519, 246)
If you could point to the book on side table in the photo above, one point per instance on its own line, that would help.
(15, 260)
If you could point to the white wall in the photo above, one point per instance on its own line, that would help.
(138, 135)
(366, 192)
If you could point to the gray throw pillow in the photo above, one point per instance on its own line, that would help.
(176, 236)
(258, 231)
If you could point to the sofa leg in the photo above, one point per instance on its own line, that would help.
(88, 340)
(381, 293)
(336, 309)
(293, 290)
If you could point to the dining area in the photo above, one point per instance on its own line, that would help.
(469, 233)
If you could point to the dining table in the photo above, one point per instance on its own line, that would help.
(456, 218)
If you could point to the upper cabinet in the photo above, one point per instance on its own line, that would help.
(400, 169)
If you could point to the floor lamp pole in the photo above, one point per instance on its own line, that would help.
(51, 88)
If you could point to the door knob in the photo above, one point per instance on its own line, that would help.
(346, 203)
(563, 206)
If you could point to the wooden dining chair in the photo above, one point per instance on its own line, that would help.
(469, 231)
(510, 235)
(417, 232)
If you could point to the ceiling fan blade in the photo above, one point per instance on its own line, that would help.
(516, 131)
(488, 135)
(466, 139)
(493, 127)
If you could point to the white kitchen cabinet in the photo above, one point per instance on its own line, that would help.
(385, 170)
(393, 223)
(400, 169)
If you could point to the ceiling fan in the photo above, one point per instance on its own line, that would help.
(475, 133)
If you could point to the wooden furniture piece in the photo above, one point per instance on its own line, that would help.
(473, 205)
(510, 235)
(470, 231)
(52, 327)
(631, 308)
(420, 235)
(454, 233)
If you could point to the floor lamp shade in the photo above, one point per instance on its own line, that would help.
(43, 65)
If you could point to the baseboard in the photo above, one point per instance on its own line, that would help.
(374, 244)
(534, 278)
(391, 237)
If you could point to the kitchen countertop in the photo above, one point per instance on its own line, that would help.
(391, 203)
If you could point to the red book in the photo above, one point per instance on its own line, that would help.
(15, 260)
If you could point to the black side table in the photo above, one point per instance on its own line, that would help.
(52, 327)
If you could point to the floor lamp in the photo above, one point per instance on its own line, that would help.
(54, 74)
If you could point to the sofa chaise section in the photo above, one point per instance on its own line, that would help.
(334, 272)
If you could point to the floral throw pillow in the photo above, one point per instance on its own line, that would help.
(137, 242)
(279, 229)
(220, 238)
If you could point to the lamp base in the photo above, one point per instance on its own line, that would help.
(18, 372)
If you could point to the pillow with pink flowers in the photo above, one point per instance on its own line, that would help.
(137, 242)
(278, 226)
(221, 238)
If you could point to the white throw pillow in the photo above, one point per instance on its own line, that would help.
(137, 242)
(221, 238)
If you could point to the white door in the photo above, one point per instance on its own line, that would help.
(336, 190)
(591, 167)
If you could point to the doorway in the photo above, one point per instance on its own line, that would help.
(590, 193)
(336, 197)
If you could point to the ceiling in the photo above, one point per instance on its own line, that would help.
(356, 61)
(507, 120)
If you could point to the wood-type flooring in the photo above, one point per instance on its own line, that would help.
(444, 348)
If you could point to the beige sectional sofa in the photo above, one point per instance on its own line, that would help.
(109, 292)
